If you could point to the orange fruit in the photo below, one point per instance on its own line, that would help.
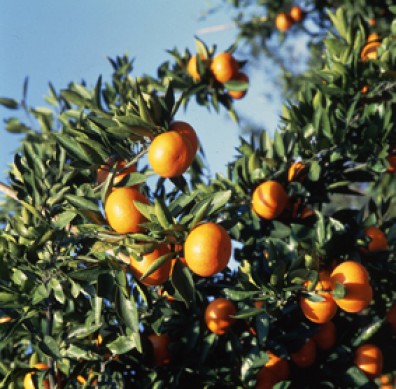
(169, 154)
(392, 162)
(279, 367)
(369, 50)
(265, 379)
(217, 315)
(295, 172)
(188, 132)
(241, 93)
(121, 212)
(369, 359)
(160, 275)
(28, 382)
(378, 242)
(192, 68)
(306, 355)
(372, 22)
(207, 249)
(104, 170)
(160, 345)
(373, 37)
(320, 311)
(224, 67)
(391, 317)
(269, 200)
(283, 22)
(296, 14)
(326, 337)
(5, 319)
(354, 277)
(364, 89)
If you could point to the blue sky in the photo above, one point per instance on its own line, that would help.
(63, 41)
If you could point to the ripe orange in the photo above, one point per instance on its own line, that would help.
(28, 382)
(378, 242)
(279, 367)
(207, 249)
(369, 50)
(104, 170)
(192, 68)
(269, 200)
(391, 317)
(239, 94)
(369, 359)
(5, 319)
(160, 345)
(320, 311)
(295, 172)
(160, 275)
(354, 277)
(169, 154)
(283, 22)
(364, 89)
(217, 315)
(326, 337)
(224, 67)
(296, 14)
(373, 37)
(392, 162)
(188, 132)
(121, 212)
(306, 355)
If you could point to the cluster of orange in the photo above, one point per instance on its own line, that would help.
(224, 67)
(284, 21)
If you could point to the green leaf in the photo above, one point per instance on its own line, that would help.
(339, 291)
(49, 347)
(9, 103)
(122, 344)
(82, 203)
(82, 331)
(157, 264)
(163, 215)
(56, 286)
(183, 283)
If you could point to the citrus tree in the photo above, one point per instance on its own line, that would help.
(123, 265)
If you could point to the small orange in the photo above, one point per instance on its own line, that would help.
(320, 311)
(378, 242)
(241, 93)
(372, 22)
(306, 355)
(295, 172)
(296, 14)
(392, 163)
(369, 51)
(279, 367)
(269, 200)
(326, 337)
(28, 382)
(391, 317)
(207, 249)
(217, 315)
(169, 154)
(160, 344)
(373, 37)
(5, 319)
(192, 68)
(224, 67)
(364, 89)
(355, 279)
(369, 359)
(160, 275)
(283, 22)
(104, 170)
(121, 212)
(188, 132)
